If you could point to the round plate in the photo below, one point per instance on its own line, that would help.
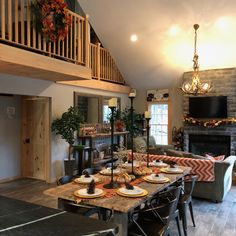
(108, 172)
(172, 171)
(158, 164)
(150, 179)
(83, 180)
(137, 192)
(82, 193)
(129, 165)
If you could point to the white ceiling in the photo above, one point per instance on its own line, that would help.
(158, 59)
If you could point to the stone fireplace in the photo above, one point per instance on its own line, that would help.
(216, 140)
(214, 145)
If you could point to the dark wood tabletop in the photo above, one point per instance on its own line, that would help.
(22, 218)
(116, 202)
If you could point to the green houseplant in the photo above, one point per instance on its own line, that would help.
(66, 126)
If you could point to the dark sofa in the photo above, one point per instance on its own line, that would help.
(216, 190)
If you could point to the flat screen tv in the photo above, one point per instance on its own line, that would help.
(208, 107)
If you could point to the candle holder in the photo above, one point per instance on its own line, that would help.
(148, 135)
(113, 184)
(132, 132)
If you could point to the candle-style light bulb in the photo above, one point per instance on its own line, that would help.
(147, 115)
(112, 102)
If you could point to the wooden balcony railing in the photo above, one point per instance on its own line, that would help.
(17, 28)
(103, 65)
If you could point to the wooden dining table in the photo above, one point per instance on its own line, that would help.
(121, 206)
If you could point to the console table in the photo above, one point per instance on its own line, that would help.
(90, 141)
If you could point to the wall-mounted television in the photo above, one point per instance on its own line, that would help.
(208, 107)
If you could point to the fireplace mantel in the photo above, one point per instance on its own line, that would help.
(226, 130)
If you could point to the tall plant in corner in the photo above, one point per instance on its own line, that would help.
(67, 124)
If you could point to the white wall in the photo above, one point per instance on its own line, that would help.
(62, 99)
(10, 137)
(176, 100)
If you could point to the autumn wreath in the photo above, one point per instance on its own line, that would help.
(52, 18)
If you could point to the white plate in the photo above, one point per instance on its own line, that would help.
(134, 191)
(108, 171)
(83, 192)
(157, 178)
(126, 164)
(158, 164)
(173, 170)
(85, 180)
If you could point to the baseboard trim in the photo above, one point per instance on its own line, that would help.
(9, 179)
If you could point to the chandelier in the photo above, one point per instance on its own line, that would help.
(195, 86)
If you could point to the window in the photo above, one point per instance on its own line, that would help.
(106, 112)
(159, 122)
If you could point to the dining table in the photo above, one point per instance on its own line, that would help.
(121, 206)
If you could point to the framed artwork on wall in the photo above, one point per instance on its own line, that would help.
(156, 95)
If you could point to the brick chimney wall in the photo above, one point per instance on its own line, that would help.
(224, 84)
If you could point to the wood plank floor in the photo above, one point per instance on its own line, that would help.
(212, 219)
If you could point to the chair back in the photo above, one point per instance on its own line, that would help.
(193, 180)
(168, 208)
(64, 179)
(90, 171)
(103, 147)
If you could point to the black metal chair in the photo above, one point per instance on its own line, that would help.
(64, 179)
(149, 221)
(90, 171)
(186, 200)
(73, 207)
(165, 196)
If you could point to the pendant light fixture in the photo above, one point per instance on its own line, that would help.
(195, 86)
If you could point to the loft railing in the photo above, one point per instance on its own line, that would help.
(17, 28)
(103, 65)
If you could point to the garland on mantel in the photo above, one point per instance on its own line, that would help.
(209, 123)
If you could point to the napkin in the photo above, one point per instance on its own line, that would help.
(172, 164)
(91, 187)
(129, 186)
(86, 174)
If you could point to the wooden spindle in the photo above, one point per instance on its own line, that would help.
(3, 21)
(86, 41)
(74, 38)
(16, 21)
(98, 61)
(71, 35)
(79, 41)
(28, 24)
(39, 41)
(22, 22)
(9, 13)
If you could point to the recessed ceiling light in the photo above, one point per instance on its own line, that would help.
(222, 23)
(174, 30)
(133, 38)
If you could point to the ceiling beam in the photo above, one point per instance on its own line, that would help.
(21, 62)
(99, 85)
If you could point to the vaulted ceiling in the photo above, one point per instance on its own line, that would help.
(164, 48)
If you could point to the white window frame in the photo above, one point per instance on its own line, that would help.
(166, 102)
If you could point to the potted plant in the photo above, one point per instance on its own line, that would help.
(66, 126)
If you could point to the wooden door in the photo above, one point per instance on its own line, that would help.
(35, 137)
